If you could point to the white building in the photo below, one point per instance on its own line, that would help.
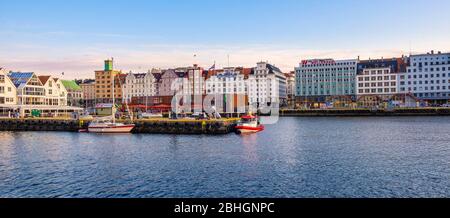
(266, 85)
(377, 81)
(56, 93)
(139, 85)
(229, 80)
(44, 94)
(30, 90)
(428, 77)
(8, 93)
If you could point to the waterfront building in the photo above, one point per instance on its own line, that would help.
(34, 97)
(88, 89)
(55, 91)
(290, 88)
(139, 85)
(231, 83)
(164, 81)
(8, 93)
(266, 85)
(230, 80)
(104, 83)
(378, 82)
(194, 80)
(428, 77)
(30, 90)
(325, 82)
(74, 93)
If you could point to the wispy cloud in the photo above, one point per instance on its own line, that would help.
(79, 62)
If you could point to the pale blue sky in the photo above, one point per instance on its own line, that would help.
(51, 36)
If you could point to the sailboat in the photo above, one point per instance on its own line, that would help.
(107, 125)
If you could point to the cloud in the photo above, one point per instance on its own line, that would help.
(81, 62)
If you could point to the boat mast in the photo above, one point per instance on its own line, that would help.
(113, 99)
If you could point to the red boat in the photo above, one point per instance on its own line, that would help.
(249, 124)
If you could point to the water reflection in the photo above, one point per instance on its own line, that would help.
(250, 142)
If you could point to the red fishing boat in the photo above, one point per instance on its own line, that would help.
(249, 124)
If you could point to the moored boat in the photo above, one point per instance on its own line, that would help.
(249, 124)
(110, 127)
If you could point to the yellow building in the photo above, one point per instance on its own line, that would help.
(104, 82)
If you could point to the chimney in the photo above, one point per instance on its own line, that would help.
(432, 51)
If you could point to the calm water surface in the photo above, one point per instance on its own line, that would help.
(298, 157)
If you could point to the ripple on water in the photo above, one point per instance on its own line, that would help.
(297, 157)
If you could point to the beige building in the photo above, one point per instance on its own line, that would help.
(139, 85)
(88, 88)
(104, 84)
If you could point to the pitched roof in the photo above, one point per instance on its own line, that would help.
(157, 76)
(273, 69)
(71, 85)
(43, 79)
(19, 78)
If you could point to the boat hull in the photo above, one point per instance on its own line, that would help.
(111, 129)
(249, 129)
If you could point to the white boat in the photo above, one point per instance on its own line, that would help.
(109, 127)
(146, 115)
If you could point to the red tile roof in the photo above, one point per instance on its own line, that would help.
(43, 79)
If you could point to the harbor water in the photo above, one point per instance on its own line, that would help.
(297, 157)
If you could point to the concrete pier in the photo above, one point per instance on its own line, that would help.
(160, 125)
(367, 112)
(167, 126)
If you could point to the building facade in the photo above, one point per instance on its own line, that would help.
(8, 93)
(88, 89)
(30, 90)
(290, 88)
(428, 77)
(139, 85)
(378, 80)
(74, 93)
(325, 81)
(56, 93)
(266, 85)
(231, 80)
(104, 84)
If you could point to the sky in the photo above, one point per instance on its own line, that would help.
(50, 36)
